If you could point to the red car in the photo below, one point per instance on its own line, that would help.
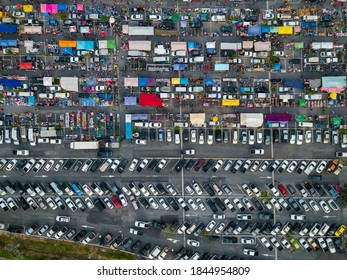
(283, 190)
(116, 202)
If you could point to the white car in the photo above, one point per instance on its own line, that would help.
(63, 219)
(160, 165)
(197, 188)
(304, 205)
(273, 190)
(321, 166)
(201, 204)
(193, 243)
(123, 199)
(324, 206)
(210, 226)
(247, 189)
(51, 203)
(18, 14)
(58, 165)
(313, 205)
(37, 167)
(201, 138)
(114, 165)
(191, 203)
(168, 135)
(155, 124)
(229, 204)
(11, 164)
(171, 189)
(155, 17)
(55, 141)
(87, 190)
(308, 136)
(219, 228)
(209, 139)
(153, 189)
(291, 167)
(153, 203)
(29, 165)
(133, 164)
(259, 137)
(276, 204)
(49, 165)
(136, 17)
(310, 167)
(193, 136)
(164, 204)
(299, 138)
(217, 165)
(141, 141)
(89, 202)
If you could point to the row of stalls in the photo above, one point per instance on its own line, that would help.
(257, 30)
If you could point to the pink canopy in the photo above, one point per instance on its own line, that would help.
(49, 8)
(338, 90)
(80, 7)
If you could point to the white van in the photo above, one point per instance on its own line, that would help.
(262, 95)
(177, 138)
(14, 136)
(343, 141)
(179, 53)
(163, 89)
(26, 93)
(23, 133)
(196, 59)
(62, 95)
(164, 59)
(181, 89)
(235, 137)
(56, 188)
(341, 154)
(7, 136)
(218, 17)
(305, 124)
(167, 95)
(308, 18)
(213, 95)
(141, 124)
(155, 252)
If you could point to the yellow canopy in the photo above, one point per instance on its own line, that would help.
(67, 43)
(231, 102)
(27, 8)
(175, 81)
(333, 95)
(215, 119)
(285, 30)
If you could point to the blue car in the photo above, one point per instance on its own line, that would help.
(161, 135)
(77, 189)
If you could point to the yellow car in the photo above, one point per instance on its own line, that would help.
(340, 230)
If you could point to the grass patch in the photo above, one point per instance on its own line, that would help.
(14, 246)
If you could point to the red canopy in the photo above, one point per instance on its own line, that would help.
(26, 65)
(150, 100)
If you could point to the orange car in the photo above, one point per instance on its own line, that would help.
(332, 166)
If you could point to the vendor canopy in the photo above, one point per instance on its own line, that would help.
(85, 45)
(141, 30)
(8, 28)
(254, 30)
(251, 119)
(334, 82)
(69, 83)
(131, 82)
(314, 83)
(140, 45)
(67, 43)
(178, 46)
(49, 8)
(221, 67)
(8, 43)
(285, 30)
(297, 83)
(150, 99)
(283, 118)
(197, 119)
(262, 46)
(247, 44)
(107, 44)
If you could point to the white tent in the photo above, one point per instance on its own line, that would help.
(69, 83)
(140, 45)
(262, 46)
(141, 30)
(197, 119)
(251, 119)
(102, 44)
(47, 81)
(178, 46)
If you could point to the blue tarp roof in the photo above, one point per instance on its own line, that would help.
(277, 67)
(85, 45)
(61, 7)
(8, 28)
(128, 131)
(297, 83)
(221, 67)
(10, 82)
(265, 29)
(91, 82)
(142, 82)
(31, 100)
(184, 81)
(130, 100)
(8, 43)
(209, 81)
(139, 117)
(178, 67)
(66, 50)
(254, 30)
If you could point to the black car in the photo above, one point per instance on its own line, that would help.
(257, 204)
(291, 189)
(122, 165)
(161, 189)
(115, 188)
(218, 135)
(23, 203)
(320, 190)
(136, 246)
(152, 134)
(226, 29)
(211, 204)
(173, 203)
(78, 165)
(105, 188)
(80, 235)
(21, 164)
(220, 203)
(195, 53)
(199, 164)
(190, 164)
(207, 187)
(95, 165)
(265, 216)
(68, 164)
(144, 202)
(294, 204)
(152, 164)
(180, 164)
(315, 177)
(199, 229)
(185, 135)
(229, 240)
(208, 165)
(99, 204)
(104, 153)
(276, 136)
(19, 188)
(29, 58)
(310, 188)
(145, 249)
